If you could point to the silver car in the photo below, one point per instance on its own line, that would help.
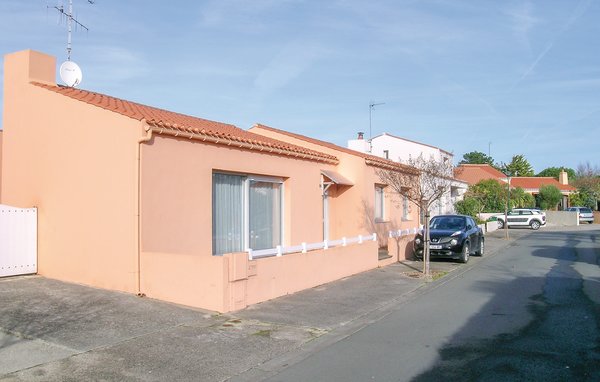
(585, 214)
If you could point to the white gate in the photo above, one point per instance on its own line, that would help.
(18, 240)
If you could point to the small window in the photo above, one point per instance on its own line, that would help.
(405, 208)
(379, 203)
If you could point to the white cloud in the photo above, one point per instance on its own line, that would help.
(232, 13)
(579, 10)
(522, 21)
(113, 64)
(289, 63)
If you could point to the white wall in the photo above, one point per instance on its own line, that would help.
(401, 150)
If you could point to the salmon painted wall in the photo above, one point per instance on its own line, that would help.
(77, 164)
(278, 276)
(1, 133)
(177, 212)
(354, 208)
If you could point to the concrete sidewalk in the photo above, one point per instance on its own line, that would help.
(54, 331)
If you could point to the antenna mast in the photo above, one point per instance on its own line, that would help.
(70, 20)
(371, 107)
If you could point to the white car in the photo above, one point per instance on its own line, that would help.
(523, 217)
(585, 214)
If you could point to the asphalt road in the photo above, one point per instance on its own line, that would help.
(528, 313)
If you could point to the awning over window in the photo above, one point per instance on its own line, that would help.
(336, 178)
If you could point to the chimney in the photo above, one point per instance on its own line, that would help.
(361, 135)
(563, 177)
(29, 65)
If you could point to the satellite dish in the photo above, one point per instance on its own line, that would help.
(70, 73)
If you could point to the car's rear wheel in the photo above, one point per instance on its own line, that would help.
(535, 225)
(481, 247)
(591, 222)
(465, 253)
(500, 224)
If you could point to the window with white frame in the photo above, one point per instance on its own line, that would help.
(379, 203)
(405, 208)
(246, 213)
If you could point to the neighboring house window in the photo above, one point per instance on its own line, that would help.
(246, 213)
(405, 208)
(379, 203)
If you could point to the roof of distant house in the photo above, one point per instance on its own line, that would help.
(197, 128)
(474, 173)
(369, 159)
(410, 140)
(534, 183)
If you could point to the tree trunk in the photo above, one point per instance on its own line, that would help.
(426, 271)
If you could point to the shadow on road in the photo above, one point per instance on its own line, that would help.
(561, 342)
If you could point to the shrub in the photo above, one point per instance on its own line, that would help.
(549, 197)
(467, 206)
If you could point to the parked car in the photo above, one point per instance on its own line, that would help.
(523, 217)
(585, 214)
(452, 237)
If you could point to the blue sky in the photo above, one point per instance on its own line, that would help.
(523, 75)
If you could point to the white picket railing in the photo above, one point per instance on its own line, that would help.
(305, 247)
(18, 241)
(404, 232)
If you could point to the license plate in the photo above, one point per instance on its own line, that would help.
(435, 246)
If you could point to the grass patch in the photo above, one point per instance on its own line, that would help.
(263, 333)
(419, 275)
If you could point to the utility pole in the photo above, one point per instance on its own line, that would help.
(507, 208)
(371, 107)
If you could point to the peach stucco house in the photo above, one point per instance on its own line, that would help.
(1, 134)
(388, 213)
(148, 201)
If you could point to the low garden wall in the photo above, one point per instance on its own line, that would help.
(562, 218)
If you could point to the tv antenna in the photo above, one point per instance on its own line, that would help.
(371, 107)
(69, 71)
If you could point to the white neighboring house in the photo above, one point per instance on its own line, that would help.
(400, 150)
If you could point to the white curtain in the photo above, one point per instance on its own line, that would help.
(228, 213)
(379, 198)
(264, 214)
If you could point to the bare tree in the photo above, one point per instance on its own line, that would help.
(433, 181)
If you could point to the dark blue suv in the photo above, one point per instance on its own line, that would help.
(452, 237)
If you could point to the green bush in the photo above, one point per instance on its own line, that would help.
(549, 197)
(467, 206)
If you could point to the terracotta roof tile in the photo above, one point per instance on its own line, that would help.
(195, 127)
(369, 159)
(531, 182)
(474, 173)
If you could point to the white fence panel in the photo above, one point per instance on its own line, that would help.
(304, 247)
(18, 241)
